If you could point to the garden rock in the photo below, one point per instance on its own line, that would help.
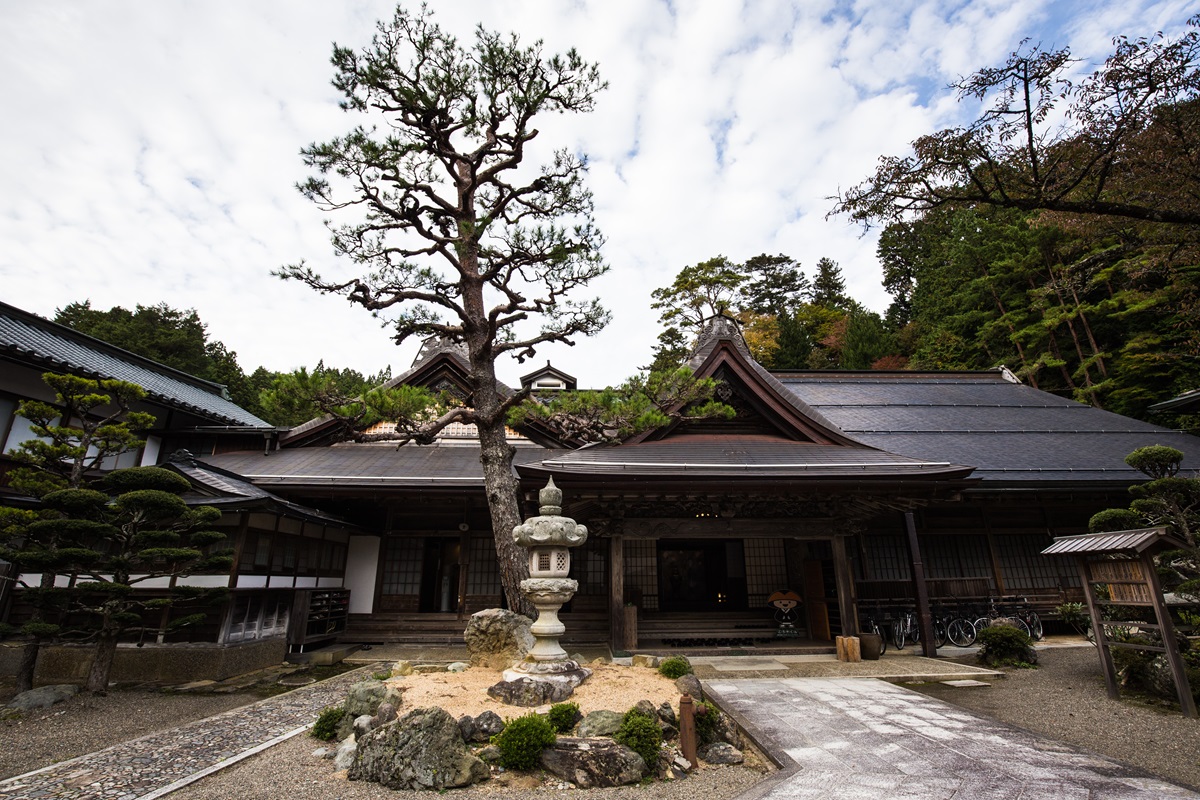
(646, 708)
(593, 762)
(720, 753)
(362, 724)
(401, 669)
(365, 697)
(344, 757)
(727, 731)
(641, 660)
(488, 724)
(421, 750)
(43, 697)
(383, 715)
(527, 692)
(690, 684)
(498, 638)
(599, 723)
(458, 666)
(667, 714)
(490, 754)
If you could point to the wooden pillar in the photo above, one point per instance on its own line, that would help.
(1166, 628)
(922, 591)
(239, 547)
(1110, 671)
(464, 568)
(847, 607)
(616, 592)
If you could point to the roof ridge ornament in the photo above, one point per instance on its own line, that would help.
(714, 329)
(435, 345)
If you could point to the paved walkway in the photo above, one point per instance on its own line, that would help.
(149, 767)
(860, 738)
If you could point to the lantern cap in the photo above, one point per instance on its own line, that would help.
(549, 527)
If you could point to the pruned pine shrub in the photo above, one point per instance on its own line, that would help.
(1005, 645)
(325, 728)
(522, 741)
(641, 734)
(563, 716)
(675, 667)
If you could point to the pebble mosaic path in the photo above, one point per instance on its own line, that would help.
(149, 767)
(863, 738)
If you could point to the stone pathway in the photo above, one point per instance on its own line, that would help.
(149, 767)
(862, 738)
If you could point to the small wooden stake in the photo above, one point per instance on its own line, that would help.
(687, 729)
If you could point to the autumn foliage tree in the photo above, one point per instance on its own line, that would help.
(459, 228)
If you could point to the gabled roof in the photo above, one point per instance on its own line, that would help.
(1010, 433)
(30, 339)
(1133, 542)
(549, 371)
(776, 437)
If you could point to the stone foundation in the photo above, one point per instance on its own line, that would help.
(167, 663)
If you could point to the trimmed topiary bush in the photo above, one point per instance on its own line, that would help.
(325, 728)
(641, 734)
(675, 667)
(563, 716)
(1005, 645)
(522, 741)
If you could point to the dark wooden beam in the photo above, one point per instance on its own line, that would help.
(924, 615)
(616, 592)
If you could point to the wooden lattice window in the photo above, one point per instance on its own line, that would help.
(1025, 568)
(402, 566)
(641, 572)
(886, 558)
(483, 575)
(766, 569)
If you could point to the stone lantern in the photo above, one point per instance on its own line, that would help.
(548, 537)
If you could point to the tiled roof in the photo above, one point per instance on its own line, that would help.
(27, 337)
(746, 456)
(373, 464)
(1007, 431)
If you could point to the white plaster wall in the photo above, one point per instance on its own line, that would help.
(362, 565)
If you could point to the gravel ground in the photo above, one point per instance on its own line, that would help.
(1065, 699)
(87, 723)
(290, 770)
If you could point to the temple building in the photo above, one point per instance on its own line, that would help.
(814, 487)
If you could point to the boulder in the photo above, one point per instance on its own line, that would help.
(457, 666)
(646, 708)
(43, 697)
(401, 669)
(593, 762)
(366, 697)
(727, 731)
(344, 757)
(498, 638)
(689, 684)
(599, 723)
(640, 660)
(421, 750)
(527, 692)
(362, 724)
(667, 714)
(383, 715)
(720, 753)
(466, 728)
(488, 724)
(490, 754)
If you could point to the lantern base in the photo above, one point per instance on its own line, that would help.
(564, 673)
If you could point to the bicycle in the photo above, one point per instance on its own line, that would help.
(995, 612)
(871, 626)
(952, 627)
(906, 628)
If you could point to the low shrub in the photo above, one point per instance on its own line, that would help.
(563, 716)
(522, 741)
(675, 667)
(325, 728)
(641, 734)
(1005, 645)
(708, 719)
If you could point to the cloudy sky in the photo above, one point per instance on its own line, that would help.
(150, 149)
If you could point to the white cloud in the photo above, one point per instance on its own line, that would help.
(151, 149)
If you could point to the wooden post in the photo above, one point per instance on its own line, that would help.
(616, 592)
(1110, 671)
(687, 729)
(1166, 628)
(464, 568)
(923, 613)
(847, 608)
(849, 649)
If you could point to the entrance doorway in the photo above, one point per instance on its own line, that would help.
(701, 575)
(439, 575)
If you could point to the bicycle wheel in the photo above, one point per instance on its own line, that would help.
(1035, 626)
(939, 634)
(960, 632)
(898, 632)
(1020, 625)
(882, 639)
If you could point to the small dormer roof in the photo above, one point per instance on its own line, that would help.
(549, 373)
